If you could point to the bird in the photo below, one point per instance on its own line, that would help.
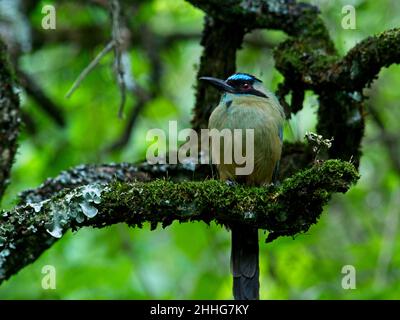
(246, 104)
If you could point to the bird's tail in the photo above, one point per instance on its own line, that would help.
(244, 263)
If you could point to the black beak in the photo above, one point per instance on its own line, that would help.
(219, 84)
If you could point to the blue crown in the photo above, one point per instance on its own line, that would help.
(243, 77)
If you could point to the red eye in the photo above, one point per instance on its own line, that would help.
(246, 86)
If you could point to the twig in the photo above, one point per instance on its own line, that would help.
(388, 139)
(142, 95)
(28, 123)
(89, 68)
(123, 140)
(87, 36)
(119, 68)
(117, 44)
(43, 101)
(317, 142)
(153, 44)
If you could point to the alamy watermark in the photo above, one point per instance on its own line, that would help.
(49, 20)
(49, 278)
(349, 18)
(349, 280)
(229, 146)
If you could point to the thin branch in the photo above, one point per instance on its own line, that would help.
(124, 139)
(117, 39)
(142, 95)
(86, 37)
(389, 140)
(28, 123)
(89, 36)
(117, 44)
(39, 96)
(90, 67)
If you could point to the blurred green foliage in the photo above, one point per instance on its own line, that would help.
(191, 261)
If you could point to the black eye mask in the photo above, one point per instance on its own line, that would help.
(239, 89)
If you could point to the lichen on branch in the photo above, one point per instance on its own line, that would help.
(284, 210)
(9, 119)
(295, 156)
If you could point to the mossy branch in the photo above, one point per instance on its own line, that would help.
(85, 174)
(295, 156)
(285, 210)
(9, 119)
(294, 18)
(363, 62)
(316, 70)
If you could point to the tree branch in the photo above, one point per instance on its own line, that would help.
(339, 83)
(9, 119)
(362, 63)
(318, 71)
(296, 19)
(390, 141)
(90, 67)
(87, 37)
(295, 156)
(221, 42)
(291, 208)
(142, 95)
(43, 101)
(105, 173)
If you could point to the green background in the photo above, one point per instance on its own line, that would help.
(191, 261)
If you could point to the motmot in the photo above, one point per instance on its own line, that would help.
(246, 104)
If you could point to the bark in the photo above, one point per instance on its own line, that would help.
(9, 119)
(285, 210)
(221, 42)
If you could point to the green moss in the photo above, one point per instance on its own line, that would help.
(303, 61)
(283, 210)
(301, 196)
(312, 29)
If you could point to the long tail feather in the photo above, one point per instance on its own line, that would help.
(244, 263)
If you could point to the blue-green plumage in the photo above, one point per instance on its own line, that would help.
(246, 104)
